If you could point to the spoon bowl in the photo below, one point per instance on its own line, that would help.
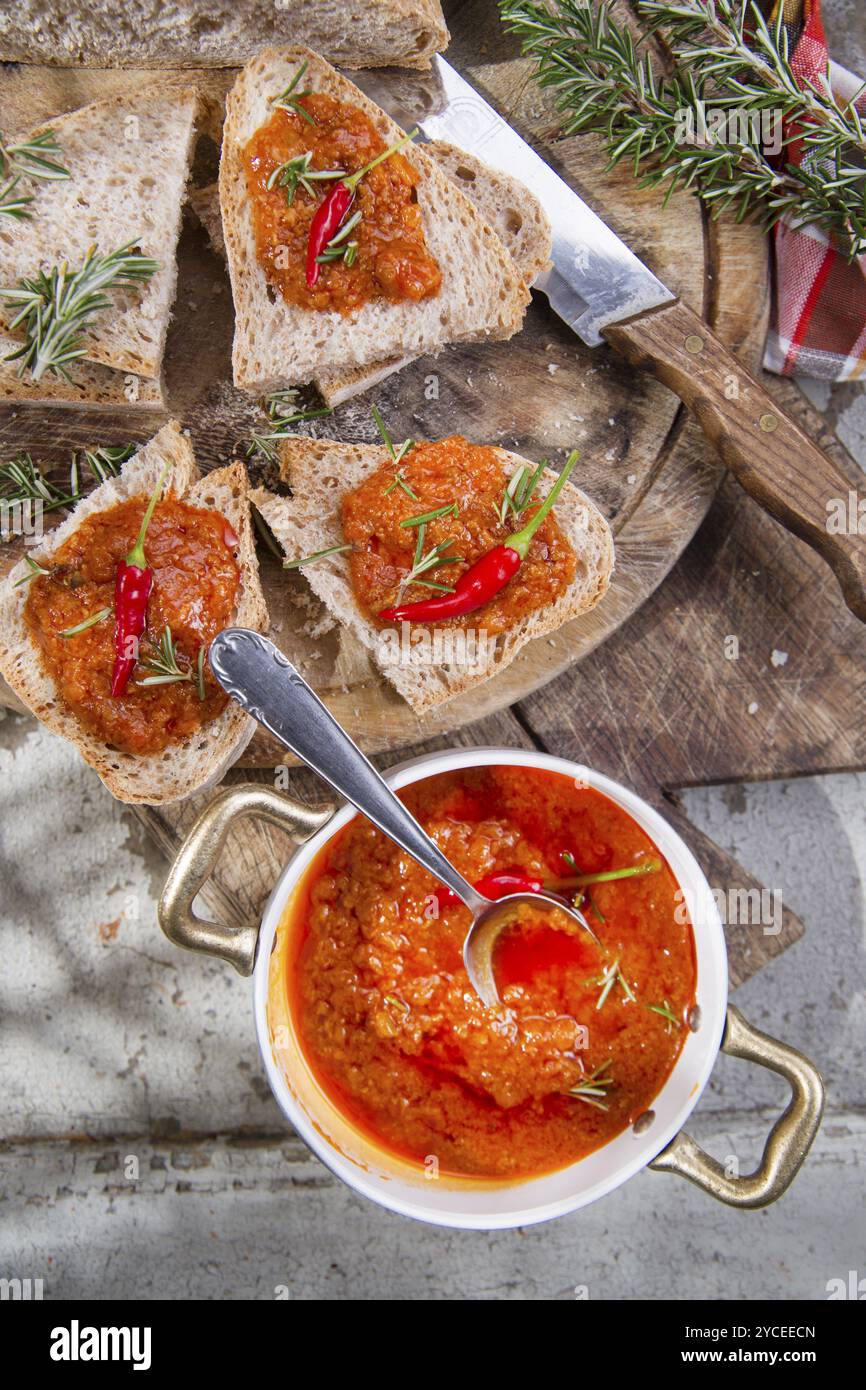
(488, 924)
(263, 681)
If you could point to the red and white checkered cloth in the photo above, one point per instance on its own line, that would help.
(818, 326)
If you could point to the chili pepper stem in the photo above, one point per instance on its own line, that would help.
(520, 540)
(136, 555)
(651, 866)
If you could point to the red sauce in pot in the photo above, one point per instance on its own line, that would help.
(396, 1035)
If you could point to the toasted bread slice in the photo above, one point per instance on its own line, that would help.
(202, 757)
(321, 472)
(128, 158)
(219, 33)
(516, 216)
(277, 344)
(91, 386)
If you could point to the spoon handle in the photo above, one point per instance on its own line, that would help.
(255, 673)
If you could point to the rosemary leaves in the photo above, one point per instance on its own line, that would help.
(33, 158)
(56, 307)
(725, 57)
(283, 410)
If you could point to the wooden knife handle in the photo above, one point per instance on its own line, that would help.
(770, 456)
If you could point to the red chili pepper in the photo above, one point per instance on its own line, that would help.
(333, 208)
(132, 587)
(494, 886)
(325, 225)
(488, 576)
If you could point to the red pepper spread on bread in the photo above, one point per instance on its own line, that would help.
(437, 532)
(335, 212)
(163, 614)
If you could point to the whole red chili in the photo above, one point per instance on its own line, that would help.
(333, 208)
(132, 586)
(488, 576)
(494, 886)
(325, 225)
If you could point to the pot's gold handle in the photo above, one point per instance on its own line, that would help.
(199, 853)
(788, 1141)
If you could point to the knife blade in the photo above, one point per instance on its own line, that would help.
(594, 279)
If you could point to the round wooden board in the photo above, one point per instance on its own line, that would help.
(543, 393)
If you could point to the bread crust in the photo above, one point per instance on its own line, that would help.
(205, 33)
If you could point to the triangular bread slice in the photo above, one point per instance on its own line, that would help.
(321, 472)
(128, 158)
(514, 213)
(202, 757)
(91, 386)
(277, 344)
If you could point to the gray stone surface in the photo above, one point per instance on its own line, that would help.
(142, 1155)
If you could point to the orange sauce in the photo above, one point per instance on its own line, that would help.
(191, 552)
(392, 263)
(449, 471)
(392, 1028)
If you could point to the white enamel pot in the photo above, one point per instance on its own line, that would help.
(657, 1141)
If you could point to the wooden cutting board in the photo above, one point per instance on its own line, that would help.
(543, 393)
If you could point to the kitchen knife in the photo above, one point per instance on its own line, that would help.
(606, 294)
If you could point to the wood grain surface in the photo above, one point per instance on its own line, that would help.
(765, 450)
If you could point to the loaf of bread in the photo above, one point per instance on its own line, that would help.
(219, 33)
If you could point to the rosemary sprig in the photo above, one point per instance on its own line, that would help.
(165, 669)
(32, 158)
(14, 204)
(429, 560)
(88, 622)
(54, 308)
(316, 555)
(614, 976)
(27, 159)
(32, 571)
(594, 1089)
(338, 248)
(397, 455)
(21, 480)
(666, 1012)
(725, 58)
(450, 509)
(282, 410)
(290, 99)
(296, 172)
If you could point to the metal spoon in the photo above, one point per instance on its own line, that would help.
(256, 674)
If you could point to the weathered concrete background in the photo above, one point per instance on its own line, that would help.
(144, 1158)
